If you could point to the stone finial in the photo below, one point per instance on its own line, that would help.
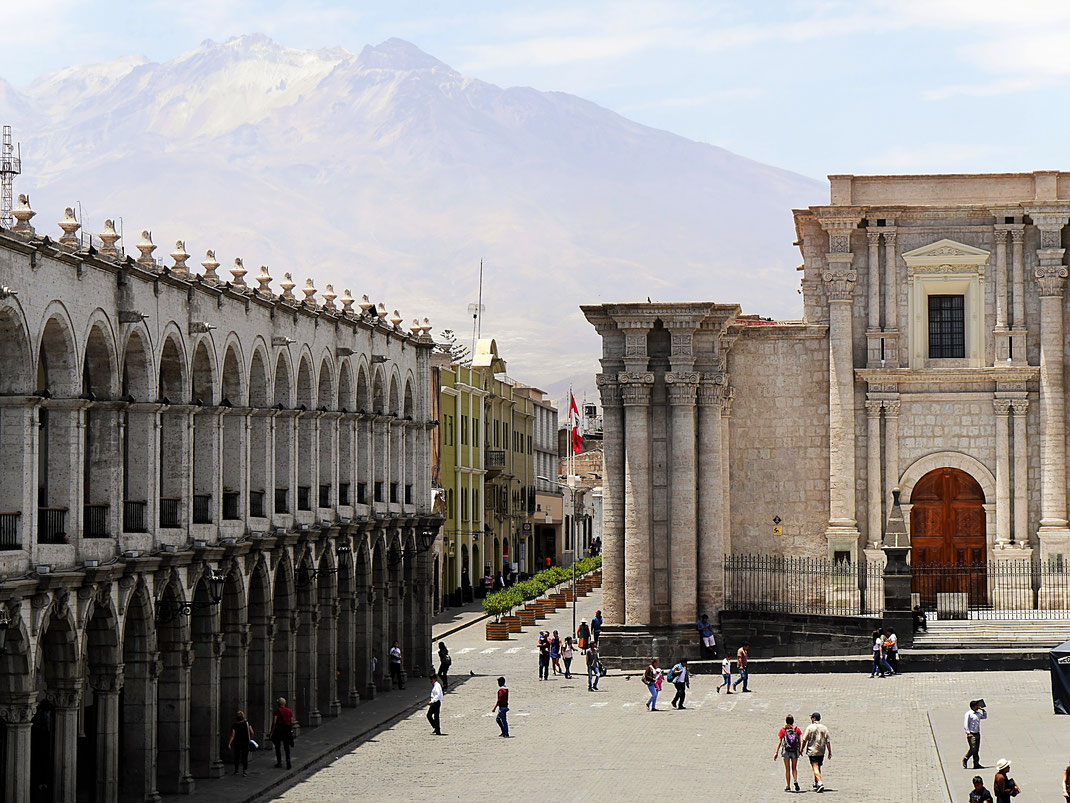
(415, 328)
(179, 255)
(380, 310)
(396, 318)
(309, 290)
(263, 279)
(365, 303)
(426, 327)
(347, 301)
(238, 272)
(146, 247)
(210, 264)
(70, 225)
(22, 214)
(287, 285)
(328, 297)
(109, 237)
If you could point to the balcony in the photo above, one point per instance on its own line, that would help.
(282, 502)
(230, 506)
(202, 508)
(325, 496)
(170, 512)
(51, 525)
(9, 531)
(494, 460)
(134, 516)
(304, 497)
(95, 521)
(256, 504)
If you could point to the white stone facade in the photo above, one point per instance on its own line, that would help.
(160, 429)
(717, 422)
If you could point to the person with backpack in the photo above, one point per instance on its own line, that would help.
(555, 653)
(880, 665)
(652, 680)
(592, 668)
(681, 679)
(789, 740)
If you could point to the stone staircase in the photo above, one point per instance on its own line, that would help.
(1003, 634)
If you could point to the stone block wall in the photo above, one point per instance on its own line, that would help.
(773, 635)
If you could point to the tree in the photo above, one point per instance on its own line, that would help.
(458, 352)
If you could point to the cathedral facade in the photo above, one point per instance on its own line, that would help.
(931, 358)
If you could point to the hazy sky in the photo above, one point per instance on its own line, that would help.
(817, 87)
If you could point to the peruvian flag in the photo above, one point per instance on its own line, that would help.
(574, 424)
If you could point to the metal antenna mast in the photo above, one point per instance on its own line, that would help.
(10, 166)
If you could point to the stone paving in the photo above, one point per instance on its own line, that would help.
(575, 745)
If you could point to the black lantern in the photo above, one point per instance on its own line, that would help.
(5, 623)
(216, 582)
(427, 538)
(343, 551)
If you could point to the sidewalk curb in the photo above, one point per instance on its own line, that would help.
(459, 628)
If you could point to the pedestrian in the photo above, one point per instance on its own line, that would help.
(979, 793)
(444, 663)
(726, 675)
(375, 667)
(241, 734)
(596, 626)
(789, 740)
(879, 664)
(544, 655)
(681, 679)
(566, 656)
(919, 619)
(583, 635)
(971, 723)
(592, 668)
(651, 678)
(434, 706)
(502, 707)
(1003, 785)
(891, 649)
(818, 744)
(705, 631)
(1066, 782)
(395, 665)
(555, 653)
(741, 665)
(282, 731)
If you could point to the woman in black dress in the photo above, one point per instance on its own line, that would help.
(241, 732)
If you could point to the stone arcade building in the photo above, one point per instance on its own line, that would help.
(931, 357)
(210, 496)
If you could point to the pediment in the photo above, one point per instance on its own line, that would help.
(946, 252)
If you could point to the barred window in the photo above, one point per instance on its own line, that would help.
(947, 327)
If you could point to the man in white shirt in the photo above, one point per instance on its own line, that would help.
(434, 705)
(971, 723)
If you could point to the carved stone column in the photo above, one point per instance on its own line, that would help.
(204, 705)
(635, 394)
(327, 667)
(106, 684)
(1020, 533)
(728, 394)
(682, 389)
(612, 496)
(17, 713)
(891, 299)
(1001, 277)
(67, 701)
(873, 290)
(891, 449)
(137, 770)
(711, 546)
(873, 471)
(1003, 488)
(1018, 285)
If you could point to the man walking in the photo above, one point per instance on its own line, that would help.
(544, 655)
(502, 707)
(705, 631)
(592, 668)
(726, 674)
(596, 626)
(741, 665)
(680, 678)
(818, 744)
(434, 706)
(971, 723)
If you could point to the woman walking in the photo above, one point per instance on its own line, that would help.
(555, 653)
(566, 655)
(282, 731)
(788, 741)
(444, 662)
(880, 665)
(395, 665)
(652, 681)
(241, 734)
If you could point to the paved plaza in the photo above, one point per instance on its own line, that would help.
(573, 745)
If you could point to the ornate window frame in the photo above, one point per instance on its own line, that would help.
(946, 267)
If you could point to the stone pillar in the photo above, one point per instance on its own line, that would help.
(682, 389)
(891, 449)
(842, 530)
(612, 493)
(204, 705)
(711, 548)
(873, 290)
(173, 714)
(891, 300)
(67, 701)
(1003, 489)
(873, 471)
(137, 770)
(106, 684)
(1020, 533)
(1050, 276)
(1001, 277)
(17, 713)
(726, 475)
(327, 636)
(635, 393)
(1018, 282)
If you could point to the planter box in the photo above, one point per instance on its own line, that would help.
(526, 616)
(558, 600)
(546, 607)
(512, 623)
(497, 631)
(568, 593)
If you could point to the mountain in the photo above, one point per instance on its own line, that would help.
(390, 173)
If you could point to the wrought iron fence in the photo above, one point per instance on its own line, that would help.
(256, 504)
(202, 508)
(134, 516)
(786, 584)
(1006, 589)
(170, 511)
(304, 497)
(51, 525)
(95, 521)
(231, 505)
(282, 502)
(9, 530)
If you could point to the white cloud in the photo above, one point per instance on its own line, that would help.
(934, 157)
(986, 89)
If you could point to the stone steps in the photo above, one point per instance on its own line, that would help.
(993, 634)
(936, 660)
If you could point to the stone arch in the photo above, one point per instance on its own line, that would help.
(283, 654)
(232, 384)
(345, 632)
(100, 373)
(137, 369)
(409, 632)
(203, 372)
(380, 612)
(259, 615)
(363, 400)
(325, 398)
(16, 677)
(378, 395)
(259, 387)
(172, 379)
(57, 361)
(327, 634)
(408, 408)
(283, 381)
(233, 685)
(394, 407)
(54, 729)
(15, 358)
(137, 706)
(364, 591)
(346, 401)
(97, 754)
(305, 398)
(930, 462)
(173, 691)
(205, 686)
(306, 699)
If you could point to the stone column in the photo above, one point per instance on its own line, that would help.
(891, 449)
(1018, 281)
(728, 394)
(873, 471)
(1003, 488)
(1020, 533)
(873, 291)
(682, 389)
(612, 494)
(1050, 276)
(204, 705)
(635, 394)
(67, 701)
(842, 530)
(137, 769)
(327, 634)
(106, 684)
(891, 300)
(17, 713)
(711, 547)
(1001, 277)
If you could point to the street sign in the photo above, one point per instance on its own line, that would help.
(776, 519)
(778, 529)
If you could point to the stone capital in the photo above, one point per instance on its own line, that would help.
(682, 387)
(66, 697)
(1051, 279)
(873, 408)
(873, 237)
(636, 395)
(20, 711)
(889, 236)
(1020, 406)
(1002, 407)
(840, 284)
(891, 407)
(1018, 234)
(107, 679)
(609, 389)
(1001, 234)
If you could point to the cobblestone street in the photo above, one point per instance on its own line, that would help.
(576, 745)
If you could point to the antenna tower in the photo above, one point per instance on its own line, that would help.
(10, 166)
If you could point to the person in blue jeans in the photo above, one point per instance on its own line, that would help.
(879, 663)
(650, 679)
(502, 707)
(592, 668)
(741, 666)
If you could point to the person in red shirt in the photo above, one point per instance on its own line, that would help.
(282, 731)
(502, 707)
(789, 741)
